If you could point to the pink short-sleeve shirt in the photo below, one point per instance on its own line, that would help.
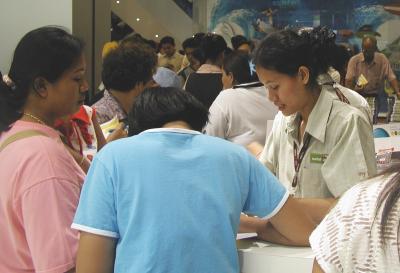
(40, 186)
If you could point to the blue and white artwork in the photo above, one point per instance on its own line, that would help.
(350, 19)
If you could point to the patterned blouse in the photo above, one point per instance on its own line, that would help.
(108, 107)
(349, 238)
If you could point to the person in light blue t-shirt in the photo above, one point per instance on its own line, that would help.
(169, 198)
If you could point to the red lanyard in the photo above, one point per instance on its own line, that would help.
(298, 158)
(341, 96)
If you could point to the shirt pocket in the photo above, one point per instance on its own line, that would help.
(312, 184)
(373, 82)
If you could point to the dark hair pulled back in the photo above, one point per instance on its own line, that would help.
(237, 63)
(45, 52)
(212, 45)
(285, 51)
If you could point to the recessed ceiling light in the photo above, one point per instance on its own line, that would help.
(138, 19)
(156, 35)
(117, 1)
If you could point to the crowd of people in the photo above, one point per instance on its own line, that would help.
(193, 161)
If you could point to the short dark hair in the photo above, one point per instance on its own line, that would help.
(156, 106)
(190, 43)
(125, 67)
(212, 45)
(167, 40)
(285, 51)
(340, 57)
(131, 39)
(44, 52)
(237, 63)
(198, 54)
(239, 40)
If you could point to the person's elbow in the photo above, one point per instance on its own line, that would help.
(295, 224)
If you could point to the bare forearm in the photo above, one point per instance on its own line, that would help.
(317, 268)
(290, 226)
(255, 149)
(274, 236)
(317, 209)
(265, 230)
(101, 141)
(395, 85)
(250, 224)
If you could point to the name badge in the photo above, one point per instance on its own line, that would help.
(318, 158)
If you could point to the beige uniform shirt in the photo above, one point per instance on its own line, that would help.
(175, 61)
(354, 98)
(341, 151)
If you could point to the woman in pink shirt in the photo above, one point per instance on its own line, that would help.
(40, 182)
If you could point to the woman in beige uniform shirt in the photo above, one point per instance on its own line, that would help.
(320, 146)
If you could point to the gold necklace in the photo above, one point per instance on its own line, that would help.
(35, 118)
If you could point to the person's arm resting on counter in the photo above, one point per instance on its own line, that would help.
(290, 226)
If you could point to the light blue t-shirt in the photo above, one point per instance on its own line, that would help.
(173, 198)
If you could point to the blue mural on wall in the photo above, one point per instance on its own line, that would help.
(351, 19)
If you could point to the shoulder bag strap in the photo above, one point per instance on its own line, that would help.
(20, 135)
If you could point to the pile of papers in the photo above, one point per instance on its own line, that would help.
(362, 81)
(109, 126)
(371, 103)
(394, 109)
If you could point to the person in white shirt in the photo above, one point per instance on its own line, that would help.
(241, 111)
(367, 238)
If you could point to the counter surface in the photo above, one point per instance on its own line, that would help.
(257, 256)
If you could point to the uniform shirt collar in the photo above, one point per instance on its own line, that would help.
(317, 121)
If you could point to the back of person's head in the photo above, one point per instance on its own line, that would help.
(238, 40)
(213, 45)
(237, 64)
(125, 67)
(340, 57)
(228, 51)
(198, 37)
(167, 40)
(158, 106)
(151, 43)
(132, 39)
(198, 55)
(190, 43)
(369, 39)
(287, 50)
(47, 53)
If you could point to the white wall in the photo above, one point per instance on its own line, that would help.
(17, 17)
(162, 17)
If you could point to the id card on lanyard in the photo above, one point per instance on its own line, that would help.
(298, 158)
